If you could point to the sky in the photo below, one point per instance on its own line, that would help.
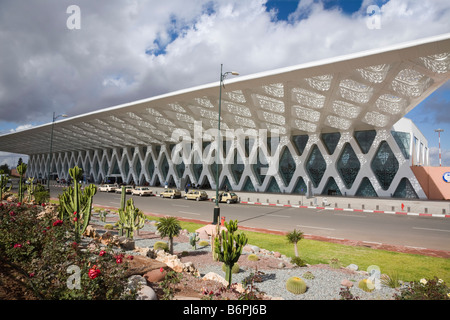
(109, 52)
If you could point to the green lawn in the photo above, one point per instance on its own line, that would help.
(409, 267)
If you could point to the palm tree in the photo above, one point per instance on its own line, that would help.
(169, 227)
(294, 237)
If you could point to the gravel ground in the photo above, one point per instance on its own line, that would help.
(326, 284)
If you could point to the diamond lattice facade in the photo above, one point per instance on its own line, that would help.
(330, 127)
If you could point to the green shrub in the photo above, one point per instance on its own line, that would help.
(296, 285)
(298, 261)
(161, 245)
(252, 257)
(108, 226)
(335, 263)
(235, 268)
(425, 289)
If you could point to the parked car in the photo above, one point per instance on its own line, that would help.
(127, 189)
(227, 197)
(107, 187)
(141, 191)
(196, 195)
(170, 193)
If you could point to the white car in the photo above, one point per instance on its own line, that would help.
(142, 191)
(106, 187)
(127, 189)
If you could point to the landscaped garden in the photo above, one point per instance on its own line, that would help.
(68, 249)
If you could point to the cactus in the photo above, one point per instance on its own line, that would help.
(130, 218)
(77, 204)
(123, 201)
(235, 268)
(21, 169)
(252, 257)
(4, 185)
(102, 214)
(193, 239)
(30, 189)
(309, 275)
(296, 285)
(230, 247)
(366, 285)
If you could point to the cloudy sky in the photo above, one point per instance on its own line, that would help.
(125, 50)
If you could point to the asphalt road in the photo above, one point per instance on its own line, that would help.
(414, 231)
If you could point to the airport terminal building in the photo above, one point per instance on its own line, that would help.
(333, 127)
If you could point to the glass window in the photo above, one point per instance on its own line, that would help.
(331, 188)
(366, 189)
(300, 186)
(384, 165)
(248, 185)
(405, 190)
(365, 139)
(273, 186)
(330, 140)
(237, 167)
(300, 143)
(348, 165)
(403, 140)
(287, 166)
(315, 166)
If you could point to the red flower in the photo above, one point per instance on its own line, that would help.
(17, 245)
(130, 257)
(75, 219)
(57, 223)
(102, 253)
(74, 213)
(119, 260)
(161, 269)
(31, 275)
(12, 213)
(94, 272)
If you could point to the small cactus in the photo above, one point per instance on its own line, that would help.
(308, 275)
(296, 285)
(193, 239)
(203, 243)
(252, 257)
(366, 285)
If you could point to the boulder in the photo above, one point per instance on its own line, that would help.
(140, 265)
(155, 275)
(276, 254)
(146, 293)
(352, 267)
(215, 277)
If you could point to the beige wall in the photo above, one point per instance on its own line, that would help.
(432, 182)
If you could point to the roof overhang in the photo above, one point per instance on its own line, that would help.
(363, 91)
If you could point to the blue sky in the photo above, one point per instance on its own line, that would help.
(134, 50)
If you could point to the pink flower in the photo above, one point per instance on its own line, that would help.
(17, 245)
(161, 269)
(31, 275)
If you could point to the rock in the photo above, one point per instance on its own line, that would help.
(91, 232)
(277, 254)
(141, 265)
(146, 293)
(281, 265)
(353, 267)
(155, 275)
(347, 283)
(208, 231)
(146, 252)
(126, 244)
(135, 282)
(255, 249)
(215, 277)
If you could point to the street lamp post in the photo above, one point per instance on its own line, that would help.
(439, 134)
(51, 147)
(216, 207)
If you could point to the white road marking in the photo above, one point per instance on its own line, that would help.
(315, 227)
(431, 229)
(278, 215)
(195, 213)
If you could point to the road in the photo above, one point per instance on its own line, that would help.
(413, 231)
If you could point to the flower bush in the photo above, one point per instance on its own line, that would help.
(425, 289)
(43, 247)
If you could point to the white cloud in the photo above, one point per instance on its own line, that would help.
(21, 127)
(434, 157)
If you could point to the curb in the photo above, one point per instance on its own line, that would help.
(344, 209)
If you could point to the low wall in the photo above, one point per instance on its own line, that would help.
(432, 182)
